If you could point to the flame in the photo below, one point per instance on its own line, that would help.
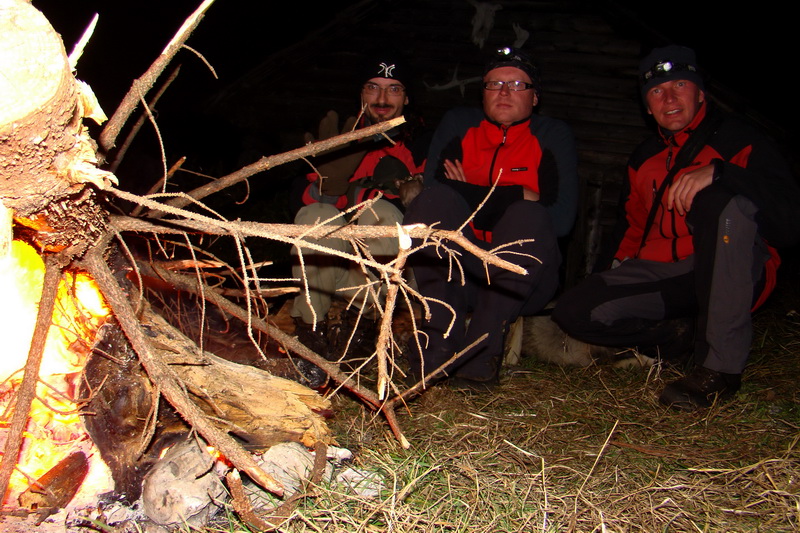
(54, 428)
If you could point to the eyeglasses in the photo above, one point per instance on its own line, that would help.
(663, 68)
(515, 85)
(391, 90)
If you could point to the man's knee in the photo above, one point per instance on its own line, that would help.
(573, 309)
(381, 213)
(319, 212)
(707, 207)
(530, 224)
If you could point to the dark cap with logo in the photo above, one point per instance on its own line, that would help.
(385, 65)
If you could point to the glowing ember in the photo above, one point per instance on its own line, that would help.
(54, 429)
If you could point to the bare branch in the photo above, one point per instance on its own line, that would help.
(266, 163)
(120, 155)
(291, 233)
(140, 87)
(27, 389)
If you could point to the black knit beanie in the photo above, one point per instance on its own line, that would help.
(666, 64)
(512, 57)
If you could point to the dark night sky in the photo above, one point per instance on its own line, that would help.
(233, 36)
(738, 47)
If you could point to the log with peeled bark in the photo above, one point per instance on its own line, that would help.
(46, 154)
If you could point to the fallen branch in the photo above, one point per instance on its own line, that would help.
(266, 163)
(290, 233)
(123, 149)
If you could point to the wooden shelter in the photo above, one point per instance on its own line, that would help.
(588, 53)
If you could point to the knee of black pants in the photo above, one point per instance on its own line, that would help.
(437, 204)
(707, 207)
(573, 309)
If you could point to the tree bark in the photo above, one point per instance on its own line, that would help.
(39, 116)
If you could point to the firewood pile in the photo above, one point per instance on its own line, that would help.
(181, 430)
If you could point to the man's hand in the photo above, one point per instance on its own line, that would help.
(686, 186)
(336, 171)
(454, 171)
(409, 189)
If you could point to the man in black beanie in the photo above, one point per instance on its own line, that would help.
(342, 178)
(706, 201)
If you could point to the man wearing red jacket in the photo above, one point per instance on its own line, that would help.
(532, 161)
(346, 177)
(704, 201)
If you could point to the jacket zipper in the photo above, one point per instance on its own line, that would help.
(504, 129)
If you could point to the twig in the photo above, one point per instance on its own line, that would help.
(77, 50)
(385, 332)
(27, 389)
(266, 163)
(140, 87)
(290, 233)
(277, 515)
(436, 372)
(597, 460)
(123, 149)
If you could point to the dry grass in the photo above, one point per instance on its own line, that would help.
(584, 450)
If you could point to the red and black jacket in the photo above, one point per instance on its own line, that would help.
(538, 153)
(749, 165)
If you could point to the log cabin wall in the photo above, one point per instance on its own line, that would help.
(588, 53)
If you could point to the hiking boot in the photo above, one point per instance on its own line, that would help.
(314, 337)
(316, 340)
(676, 341)
(355, 338)
(699, 389)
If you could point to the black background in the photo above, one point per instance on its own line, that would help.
(741, 48)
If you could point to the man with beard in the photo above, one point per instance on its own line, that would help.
(706, 199)
(344, 178)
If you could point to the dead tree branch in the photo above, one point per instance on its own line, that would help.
(27, 390)
(291, 233)
(123, 149)
(266, 163)
(140, 87)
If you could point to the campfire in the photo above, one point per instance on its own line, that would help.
(54, 431)
(98, 390)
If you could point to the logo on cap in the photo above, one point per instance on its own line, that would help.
(386, 71)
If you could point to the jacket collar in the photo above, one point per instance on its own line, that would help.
(523, 121)
(679, 138)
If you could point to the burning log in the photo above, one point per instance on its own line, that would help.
(58, 486)
(259, 409)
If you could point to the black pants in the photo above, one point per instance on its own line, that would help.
(456, 284)
(716, 287)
